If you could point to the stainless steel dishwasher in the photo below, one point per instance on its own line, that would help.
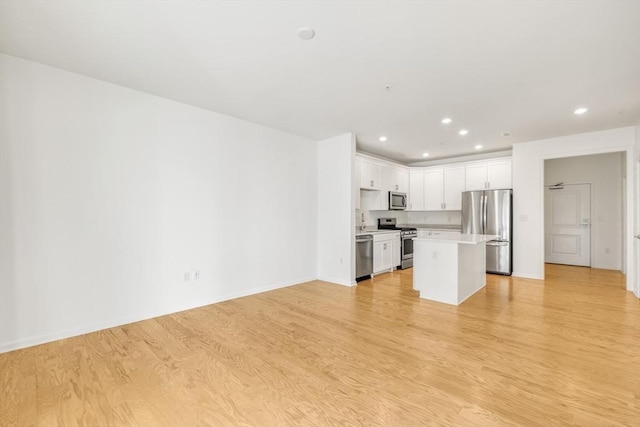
(364, 257)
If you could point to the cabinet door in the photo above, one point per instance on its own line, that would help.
(378, 256)
(433, 187)
(402, 178)
(395, 248)
(387, 257)
(476, 176)
(388, 178)
(416, 191)
(370, 174)
(499, 174)
(454, 184)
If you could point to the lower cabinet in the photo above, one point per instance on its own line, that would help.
(386, 251)
(396, 257)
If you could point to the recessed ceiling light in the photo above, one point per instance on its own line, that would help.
(506, 133)
(425, 154)
(478, 147)
(383, 138)
(446, 121)
(581, 110)
(306, 33)
(463, 132)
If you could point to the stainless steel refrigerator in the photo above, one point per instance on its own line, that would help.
(489, 212)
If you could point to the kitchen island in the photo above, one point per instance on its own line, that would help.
(449, 267)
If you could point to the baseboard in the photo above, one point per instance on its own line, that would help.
(138, 317)
(527, 276)
(336, 281)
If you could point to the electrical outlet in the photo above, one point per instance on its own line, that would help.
(187, 276)
(196, 275)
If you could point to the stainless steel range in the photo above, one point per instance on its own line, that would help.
(407, 234)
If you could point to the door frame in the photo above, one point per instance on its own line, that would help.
(628, 228)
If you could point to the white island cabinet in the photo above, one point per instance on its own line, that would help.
(449, 267)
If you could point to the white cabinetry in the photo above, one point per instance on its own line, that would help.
(370, 175)
(383, 251)
(453, 188)
(416, 190)
(443, 188)
(396, 257)
(395, 178)
(491, 174)
(433, 184)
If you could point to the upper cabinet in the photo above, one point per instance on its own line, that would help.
(443, 188)
(395, 178)
(416, 190)
(370, 174)
(429, 188)
(490, 174)
(436, 189)
(453, 187)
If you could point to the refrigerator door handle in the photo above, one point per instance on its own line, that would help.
(497, 243)
(484, 213)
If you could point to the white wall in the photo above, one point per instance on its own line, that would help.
(108, 195)
(604, 173)
(635, 266)
(528, 183)
(336, 224)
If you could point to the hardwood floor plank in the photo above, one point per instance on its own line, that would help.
(564, 351)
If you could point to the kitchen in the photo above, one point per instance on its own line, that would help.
(395, 204)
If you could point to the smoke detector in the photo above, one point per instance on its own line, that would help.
(306, 33)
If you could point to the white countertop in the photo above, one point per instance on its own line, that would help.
(467, 239)
(374, 231)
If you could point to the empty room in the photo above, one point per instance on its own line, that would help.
(274, 213)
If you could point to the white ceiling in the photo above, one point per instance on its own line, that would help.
(492, 66)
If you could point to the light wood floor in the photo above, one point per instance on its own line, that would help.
(561, 352)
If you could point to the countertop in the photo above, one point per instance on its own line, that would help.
(448, 227)
(467, 239)
(373, 230)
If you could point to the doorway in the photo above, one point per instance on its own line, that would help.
(588, 229)
(568, 224)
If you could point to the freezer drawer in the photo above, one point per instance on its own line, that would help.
(499, 257)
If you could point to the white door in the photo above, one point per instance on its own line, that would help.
(568, 224)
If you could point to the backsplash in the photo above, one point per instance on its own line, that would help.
(435, 217)
(404, 217)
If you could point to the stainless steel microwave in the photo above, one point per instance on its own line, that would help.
(397, 201)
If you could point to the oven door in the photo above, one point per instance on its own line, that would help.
(407, 247)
